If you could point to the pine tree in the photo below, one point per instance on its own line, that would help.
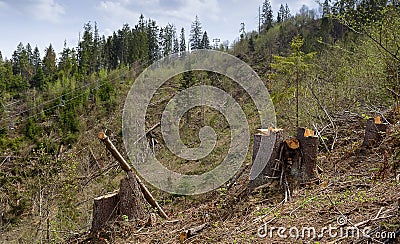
(49, 61)
(195, 34)
(182, 41)
(85, 50)
(176, 45)
(36, 60)
(152, 36)
(287, 12)
(281, 14)
(205, 41)
(267, 15)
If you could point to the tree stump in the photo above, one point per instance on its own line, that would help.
(309, 150)
(105, 208)
(129, 201)
(374, 131)
(266, 154)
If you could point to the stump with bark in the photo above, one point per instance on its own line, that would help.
(374, 131)
(266, 155)
(128, 201)
(309, 149)
(292, 161)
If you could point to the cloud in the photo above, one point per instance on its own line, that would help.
(48, 10)
(44, 10)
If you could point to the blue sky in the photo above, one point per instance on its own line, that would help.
(41, 22)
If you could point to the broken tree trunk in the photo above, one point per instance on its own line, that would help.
(266, 157)
(374, 130)
(105, 208)
(127, 168)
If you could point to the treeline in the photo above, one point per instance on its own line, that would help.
(80, 75)
(145, 42)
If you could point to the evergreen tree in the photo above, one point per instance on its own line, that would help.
(176, 45)
(281, 14)
(152, 36)
(195, 34)
(182, 41)
(242, 31)
(49, 61)
(85, 50)
(36, 60)
(287, 12)
(267, 15)
(205, 41)
(140, 41)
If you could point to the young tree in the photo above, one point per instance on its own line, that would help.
(293, 67)
(195, 34)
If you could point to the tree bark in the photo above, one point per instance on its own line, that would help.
(266, 158)
(309, 151)
(131, 201)
(373, 133)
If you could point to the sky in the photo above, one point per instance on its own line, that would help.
(44, 22)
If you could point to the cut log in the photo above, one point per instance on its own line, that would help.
(374, 130)
(105, 208)
(309, 149)
(131, 200)
(266, 154)
(186, 234)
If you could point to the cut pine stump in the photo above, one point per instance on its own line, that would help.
(293, 160)
(266, 154)
(105, 208)
(128, 201)
(374, 131)
(131, 200)
(309, 150)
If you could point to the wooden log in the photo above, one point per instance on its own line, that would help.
(309, 150)
(266, 154)
(186, 234)
(131, 201)
(127, 168)
(105, 208)
(374, 131)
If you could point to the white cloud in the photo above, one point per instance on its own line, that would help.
(48, 10)
(45, 10)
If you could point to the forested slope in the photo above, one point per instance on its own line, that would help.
(338, 69)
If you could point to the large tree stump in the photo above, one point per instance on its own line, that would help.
(105, 208)
(266, 154)
(309, 150)
(131, 200)
(374, 131)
